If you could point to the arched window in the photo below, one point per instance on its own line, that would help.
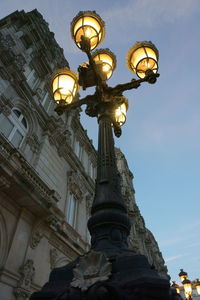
(14, 127)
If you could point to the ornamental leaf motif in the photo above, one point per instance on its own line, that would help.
(92, 267)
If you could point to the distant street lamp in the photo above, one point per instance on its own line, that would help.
(187, 288)
(183, 275)
(176, 286)
(109, 270)
(191, 290)
(197, 284)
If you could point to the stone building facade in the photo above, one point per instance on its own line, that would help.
(47, 166)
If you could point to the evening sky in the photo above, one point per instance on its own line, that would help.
(161, 137)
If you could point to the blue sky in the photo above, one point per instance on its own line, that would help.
(161, 137)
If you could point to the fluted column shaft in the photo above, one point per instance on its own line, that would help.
(109, 220)
(108, 189)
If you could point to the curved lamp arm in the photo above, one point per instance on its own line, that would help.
(63, 107)
(133, 84)
(104, 92)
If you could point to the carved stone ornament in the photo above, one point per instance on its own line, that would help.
(53, 257)
(53, 222)
(20, 61)
(75, 184)
(92, 267)
(35, 239)
(33, 142)
(21, 294)
(58, 134)
(89, 199)
(5, 106)
(37, 234)
(4, 183)
(7, 41)
(27, 272)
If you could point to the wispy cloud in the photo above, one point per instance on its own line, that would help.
(175, 257)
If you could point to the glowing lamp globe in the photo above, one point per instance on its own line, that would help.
(120, 113)
(90, 25)
(65, 86)
(143, 56)
(176, 286)
(107, 60)
(187, 287)
(197, 284)
(183, 275)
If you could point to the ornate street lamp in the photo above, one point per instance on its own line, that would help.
(142, 57)
(107, 60)
(176, 286)
(188, 288)
(197, 285)
(64, 86)
(109, 271)
(87, 25)
(120, 113)
(183, 275)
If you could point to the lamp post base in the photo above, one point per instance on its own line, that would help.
(113, 274)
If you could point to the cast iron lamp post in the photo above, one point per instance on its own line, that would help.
(109, 270)
(190, 289)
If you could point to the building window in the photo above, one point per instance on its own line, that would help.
(45, 100)
(32, 79)
(26, 41)
(14, 127)
(71, 210)
(91, 170)
(78, 149)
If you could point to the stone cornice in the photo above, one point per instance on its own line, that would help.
(68, 240)
(21, 175)
(56, 229)
(9, 276)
